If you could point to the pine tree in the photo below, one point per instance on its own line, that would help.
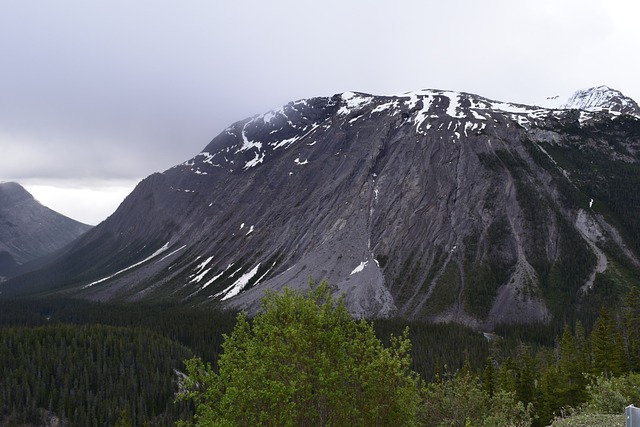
(525, 386)
(572, 381)
(489, 378)
(601, 338)
(632, 328)
(607, 347)
(507, 376)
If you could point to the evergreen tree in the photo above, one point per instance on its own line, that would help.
(632, 328)
(570, 370)
(607, 347)
(525, 387)
(507, 376)
(489, 378)
(305, 361)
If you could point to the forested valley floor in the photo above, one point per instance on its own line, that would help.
(95, 364)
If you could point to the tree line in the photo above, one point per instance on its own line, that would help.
(102, 364)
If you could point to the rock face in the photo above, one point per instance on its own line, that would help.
(29, 230)
(432, 204)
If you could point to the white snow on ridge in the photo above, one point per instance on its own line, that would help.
(238, 285)
(352, 101)
(200, 271)
(454, 103)
(360, 267)
(593, 98)
(422, 115)
(255, 161)
(216, 277)
(246, 144)
(153, 255)
(387, 105)
(512, 108)
(270, 115)
(286, 142)
(171, 253)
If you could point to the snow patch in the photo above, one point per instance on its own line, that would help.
(477, 116)
(217, 276)
(454, 106)
(153, 255)
(200, 272)
(422, 115)
(359, 268)
(169, 254)
(238, 285)
(352, 101)
(246, 143)
(255, 161)
(387, 105)
(285, 142)
(510, 108)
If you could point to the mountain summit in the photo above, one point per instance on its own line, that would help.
(602, 98)
(29, 230)
(433, 204)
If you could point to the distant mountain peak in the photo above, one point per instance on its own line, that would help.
(602, 98)
(594, 99)
(28, 229)
(11, 193)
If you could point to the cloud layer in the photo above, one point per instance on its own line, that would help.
(104, 90)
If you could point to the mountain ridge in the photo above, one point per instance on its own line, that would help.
(432, 204)
(29, 230)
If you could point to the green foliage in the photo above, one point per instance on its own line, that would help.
(305, 361)
(461, 400)
(89, 375)
(437, 346)
(607, 345)
(612, 395)
(612, 183)
(605, 406)
(590, 420)
(445, 291)
(570, 370)
(484, 276)
(542, 366)
(197, 328)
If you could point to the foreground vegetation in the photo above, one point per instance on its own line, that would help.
(99, 364)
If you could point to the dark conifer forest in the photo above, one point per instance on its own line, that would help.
(94, 364)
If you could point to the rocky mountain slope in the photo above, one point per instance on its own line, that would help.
(29, 230)
(431, 204)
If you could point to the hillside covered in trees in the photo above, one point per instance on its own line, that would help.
(102, 364)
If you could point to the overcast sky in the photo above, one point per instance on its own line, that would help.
(96, 95)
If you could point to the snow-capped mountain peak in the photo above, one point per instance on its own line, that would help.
(600, 98)
(603, 98)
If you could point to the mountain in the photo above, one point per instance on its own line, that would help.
(603, 98)
(29, 230)
(433, 204)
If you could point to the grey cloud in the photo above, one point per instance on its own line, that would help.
(96, 90)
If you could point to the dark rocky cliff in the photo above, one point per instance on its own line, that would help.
(433, 204)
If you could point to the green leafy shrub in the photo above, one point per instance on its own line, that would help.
(304, 361)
